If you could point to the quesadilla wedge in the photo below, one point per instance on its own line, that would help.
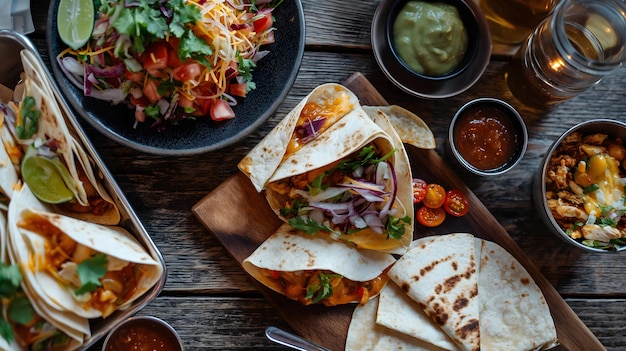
(514, 314)
(76, 266)
(317, 270)
(364, 334)
(49, 147)
(441, 275)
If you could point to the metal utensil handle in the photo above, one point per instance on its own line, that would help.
(285, 338)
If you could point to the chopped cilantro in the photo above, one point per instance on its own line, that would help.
(308, 225)
(321, 288)
(90, 271)
(590, 188)
(20, 310)
(395, 226)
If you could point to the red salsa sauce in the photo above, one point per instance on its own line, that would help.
(142, 335)
(485, 136)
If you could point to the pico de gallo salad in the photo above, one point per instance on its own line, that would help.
(172, 60)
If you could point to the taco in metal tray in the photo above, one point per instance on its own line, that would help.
(75, 266)
(317, 270)
(24, 326)
(350, 181)
(53, 162)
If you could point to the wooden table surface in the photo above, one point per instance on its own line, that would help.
(213, 303)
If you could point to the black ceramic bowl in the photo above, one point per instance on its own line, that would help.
(461, 78)
(612, 128)
(274, 77)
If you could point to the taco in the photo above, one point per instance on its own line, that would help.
(75, 266)
(317, 270)
(352, 181)
(47, 140)
(24, 324)
(10, 154)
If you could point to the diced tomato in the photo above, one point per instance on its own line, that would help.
(187, 71)
(456, 203)
(136, 77)
(435, 195)
(263, 22)
(202, 106)
(430, 217)
(140, 101)
(150, 91)
(221, 110)
(238, 89)
(155, 57)
(419, 190)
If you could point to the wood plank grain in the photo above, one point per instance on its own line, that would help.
(241, 237)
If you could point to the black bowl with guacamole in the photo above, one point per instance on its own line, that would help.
(431, 49)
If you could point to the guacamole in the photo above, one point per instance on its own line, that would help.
(430, 37)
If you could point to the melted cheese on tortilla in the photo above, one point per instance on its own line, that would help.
(331, 108)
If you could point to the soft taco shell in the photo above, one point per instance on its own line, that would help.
(290, 251)
(261, 162)
(119, 246)
(54, 124)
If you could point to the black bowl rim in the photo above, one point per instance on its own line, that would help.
(101, 127)
(520, 128)
(592, 125)
(421, 85)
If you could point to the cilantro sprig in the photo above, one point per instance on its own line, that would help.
(320, 288)
(90, 271)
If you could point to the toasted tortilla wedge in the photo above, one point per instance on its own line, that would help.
(440, 275)
(410, 127)
(292, 253)
(364, 334)
(513, 311)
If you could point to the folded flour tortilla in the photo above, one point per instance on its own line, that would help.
(514, 314)
(411, 128)
(92, 201)
(440, 274)
(293, 263)
(287, 173)
(37, 238)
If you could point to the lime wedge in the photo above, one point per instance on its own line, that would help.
(75, 20)
(46, 177)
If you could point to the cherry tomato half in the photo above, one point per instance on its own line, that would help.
(430, 217)
(456, 203)
(419, 190)
(435, 195)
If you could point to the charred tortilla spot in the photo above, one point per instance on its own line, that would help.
(471, 327)
(438, 289)
(405, 287)
(525, 281)
(460, 303)
(438, 314)
(455, 266)
(415, 278)
(451, 282)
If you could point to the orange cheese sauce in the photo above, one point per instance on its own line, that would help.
(331, 108)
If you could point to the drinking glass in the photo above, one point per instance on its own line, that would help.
(582, 42)
(511, 21)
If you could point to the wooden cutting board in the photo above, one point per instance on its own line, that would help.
(328, 326)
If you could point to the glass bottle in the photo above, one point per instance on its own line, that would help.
(572, 50)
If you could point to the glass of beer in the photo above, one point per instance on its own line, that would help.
(511, 21)
(582, 42)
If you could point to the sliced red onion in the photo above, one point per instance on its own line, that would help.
(116, 95)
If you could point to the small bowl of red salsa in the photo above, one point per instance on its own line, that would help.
(143, 333)
(487, 136)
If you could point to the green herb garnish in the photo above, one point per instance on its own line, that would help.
(90, 271)
(28, 118)
(321, 289)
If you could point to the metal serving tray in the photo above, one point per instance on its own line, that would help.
(11, 44)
